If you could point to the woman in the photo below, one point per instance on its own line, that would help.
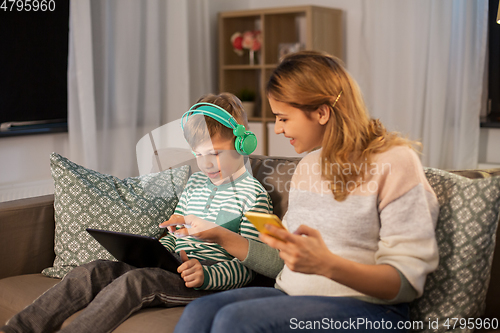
(361, 217)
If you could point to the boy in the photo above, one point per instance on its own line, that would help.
(230, 190)
(218, 195)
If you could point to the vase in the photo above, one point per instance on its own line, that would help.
(252, 57)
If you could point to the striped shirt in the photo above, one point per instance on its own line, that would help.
(225, 205)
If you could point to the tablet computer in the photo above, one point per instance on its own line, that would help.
(136, 250)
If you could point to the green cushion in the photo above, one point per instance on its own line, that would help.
(85, 198)
(465, 232)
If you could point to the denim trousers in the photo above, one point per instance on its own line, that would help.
(108, 291)
(261, 309)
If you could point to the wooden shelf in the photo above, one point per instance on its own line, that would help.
(315, 28)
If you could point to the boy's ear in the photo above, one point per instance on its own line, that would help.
(323, 114)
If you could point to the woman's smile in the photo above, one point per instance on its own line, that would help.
(305, 131)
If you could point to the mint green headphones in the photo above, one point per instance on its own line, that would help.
(245, 142)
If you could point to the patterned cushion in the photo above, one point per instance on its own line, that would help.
(465, 232)
(85, 198)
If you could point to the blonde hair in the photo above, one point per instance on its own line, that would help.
(308, 80)
(200, 127)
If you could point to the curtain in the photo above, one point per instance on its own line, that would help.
(202, 49)
(421, 67)
(123, 77)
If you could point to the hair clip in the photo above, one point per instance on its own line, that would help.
(336, 99)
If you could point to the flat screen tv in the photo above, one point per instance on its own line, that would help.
(33, 64)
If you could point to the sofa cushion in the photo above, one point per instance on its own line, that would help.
(465, 232)
(26, 235)
(85, 198)
(17, 292)
(151, 320)
(155, 319)
(275, 174)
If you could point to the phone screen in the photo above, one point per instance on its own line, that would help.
(259, 220)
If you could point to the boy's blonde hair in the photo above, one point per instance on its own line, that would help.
(308, 80)
(200, 127)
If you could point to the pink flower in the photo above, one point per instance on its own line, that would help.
(257, 41)
(248, 38)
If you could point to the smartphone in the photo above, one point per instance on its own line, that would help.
(259, 220)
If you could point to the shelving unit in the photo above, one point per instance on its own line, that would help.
(316, 28)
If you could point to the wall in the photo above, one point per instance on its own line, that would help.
(489, 148)
(25, 166)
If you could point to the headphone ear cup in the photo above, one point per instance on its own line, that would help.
(246, 144)
(239, 130)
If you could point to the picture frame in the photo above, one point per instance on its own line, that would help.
(287, 48)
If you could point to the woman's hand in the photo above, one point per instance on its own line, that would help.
(191, 271)
(194, 226)
(210, 232)
(308, 255)
(173, 221)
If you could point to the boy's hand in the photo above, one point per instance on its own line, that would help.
(191, 271)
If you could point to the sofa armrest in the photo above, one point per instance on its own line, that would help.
(26, 235)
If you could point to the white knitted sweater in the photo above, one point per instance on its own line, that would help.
(389, 219)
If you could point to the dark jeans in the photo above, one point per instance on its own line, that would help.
(270, 310)
(109, 291)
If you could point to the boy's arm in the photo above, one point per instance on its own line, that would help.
(233, 274)
(226, 275)
(169, 240)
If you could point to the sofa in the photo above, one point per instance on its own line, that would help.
(27, 247)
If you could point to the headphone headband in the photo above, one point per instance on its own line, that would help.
(213, 111)
(245, 142)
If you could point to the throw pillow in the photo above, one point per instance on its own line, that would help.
(465, 233)
(85, 198)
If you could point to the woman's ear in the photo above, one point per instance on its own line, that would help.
(323, 114)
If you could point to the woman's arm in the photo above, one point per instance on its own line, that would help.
(253, 254)
(232, 242)
(310, 255)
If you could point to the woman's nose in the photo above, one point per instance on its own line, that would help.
(278, 128)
